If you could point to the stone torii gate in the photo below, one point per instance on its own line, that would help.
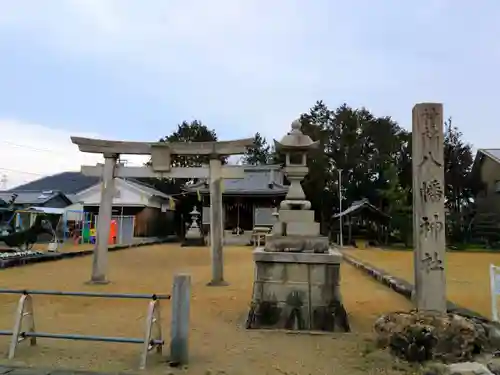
(161, 153)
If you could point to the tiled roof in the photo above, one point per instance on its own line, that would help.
(493, 153)
(66, 183)
(257, 181)
(30, 197)
(147, 189)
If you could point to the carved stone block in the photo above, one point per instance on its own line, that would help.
(297, 291)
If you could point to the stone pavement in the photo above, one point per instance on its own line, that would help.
(14, 370)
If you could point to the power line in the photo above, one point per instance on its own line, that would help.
(31, 147)
(19, 171)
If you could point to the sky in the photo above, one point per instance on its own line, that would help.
(134, 69)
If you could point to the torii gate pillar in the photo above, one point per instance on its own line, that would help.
(216, 234)
(100, 260)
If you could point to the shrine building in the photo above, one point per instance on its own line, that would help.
(248, 202)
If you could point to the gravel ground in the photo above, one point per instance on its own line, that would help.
(218, 341)
(467, 274)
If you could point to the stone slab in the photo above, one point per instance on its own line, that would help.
(302, 229)
(332, 257)
(101, 146)
(286, 216)
(309, 244)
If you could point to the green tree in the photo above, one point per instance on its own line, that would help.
(193, 131)
(357, 142)
(260, 153)
(458, 160)
(398, 204)
(319, 183)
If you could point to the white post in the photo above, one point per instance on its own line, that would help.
(100, 261)
(179, 331)
(493, 287)
(341, 239)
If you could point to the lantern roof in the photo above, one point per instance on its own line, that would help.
(295, 140)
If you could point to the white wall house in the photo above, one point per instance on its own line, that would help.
(128, 194)
(138, 209)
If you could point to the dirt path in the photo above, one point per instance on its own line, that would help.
(218, 340)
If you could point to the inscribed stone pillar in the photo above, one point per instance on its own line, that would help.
(428, 207)
(100, 261)
(216, 229)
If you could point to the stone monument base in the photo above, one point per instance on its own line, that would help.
(297, 291)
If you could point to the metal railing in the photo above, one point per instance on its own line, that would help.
(24, 325)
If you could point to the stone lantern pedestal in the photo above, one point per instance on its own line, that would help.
(193, 236)
(297, 277)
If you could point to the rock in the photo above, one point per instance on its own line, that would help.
(494, 366)
(493, 333)
(435, 368)
(469, 368)
(420, 336)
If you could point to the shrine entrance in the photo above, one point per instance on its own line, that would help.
(161, 154)
(238, 214)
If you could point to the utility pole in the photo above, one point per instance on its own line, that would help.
(341, 240)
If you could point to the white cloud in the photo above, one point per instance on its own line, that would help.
(255, 65)
(31, 151)
(239, 61)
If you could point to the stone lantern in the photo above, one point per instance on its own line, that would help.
(295, 145)
(193, 236)
(295, 216)
(297, 274)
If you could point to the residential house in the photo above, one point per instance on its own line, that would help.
(247, 202)
(150, 208)
(485, 224)
(39, 198)
(44, 200)
(147, 210)
(486, 169)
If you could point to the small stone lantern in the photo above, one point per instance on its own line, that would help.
(193, 236)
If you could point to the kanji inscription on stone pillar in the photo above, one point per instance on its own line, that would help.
(429, 239)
